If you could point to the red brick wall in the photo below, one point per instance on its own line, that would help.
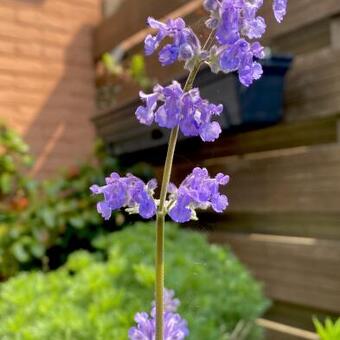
(47, 77)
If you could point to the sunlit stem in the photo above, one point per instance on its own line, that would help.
(161, 208)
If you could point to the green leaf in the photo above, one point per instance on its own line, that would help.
(19, 251)
(38, 250)
(144, 274)
(7, 163)
(77, 222)
(137, 66)
(6, 183)
(48, 217)
(111, 64)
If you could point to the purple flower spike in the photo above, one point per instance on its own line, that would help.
(188, 110)
(184, 44)
(175, 328)
(197, 191)
(126, 192)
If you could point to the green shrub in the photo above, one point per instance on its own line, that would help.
(14, 160)
(42, 222)
(95, 296)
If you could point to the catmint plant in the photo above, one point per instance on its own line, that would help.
(232, 46)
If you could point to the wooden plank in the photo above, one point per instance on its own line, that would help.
(302, 133)
(304, 40)
(286, 330)
(273, 335)
(294, 315)
(191, 151)
(335, 32)
(300, 13)
(299, 224)
(313, 85)
(302, 271)
(301, 179)
(129, 18)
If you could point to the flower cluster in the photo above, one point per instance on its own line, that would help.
(186, 109)
(175, 328)
(197, 191)
(235, 23)
(126, 192)
(184, 43)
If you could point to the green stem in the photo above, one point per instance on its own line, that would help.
(160, 220)
(159, 275)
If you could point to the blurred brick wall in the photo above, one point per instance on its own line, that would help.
(47, 77)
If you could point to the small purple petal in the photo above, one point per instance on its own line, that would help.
(180, 213)
(186, 52)
(219, 202)
(104, 209)
(210, 132)
(280, 9)
(210, 5)
(150, 44)
(95, 189)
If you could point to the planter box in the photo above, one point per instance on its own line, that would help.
(246, 108)
(259, 105)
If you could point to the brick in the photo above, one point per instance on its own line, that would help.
(8, 47)
(47, 76)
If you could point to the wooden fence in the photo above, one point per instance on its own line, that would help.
(284, 217)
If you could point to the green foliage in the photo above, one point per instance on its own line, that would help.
(330, 330)
(42, 222)
(138, 71)
(92, 298)
(111, 64)
(14, 158)
(116, 75)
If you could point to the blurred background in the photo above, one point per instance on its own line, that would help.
(70, 73)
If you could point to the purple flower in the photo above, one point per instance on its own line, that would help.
(184, 44)
(197, 191)
(126, 192)
(280, 9)
(169, 106)
(236, 23)
(175, 328)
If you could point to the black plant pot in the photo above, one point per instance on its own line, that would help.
(259, 105)
(244, 108)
